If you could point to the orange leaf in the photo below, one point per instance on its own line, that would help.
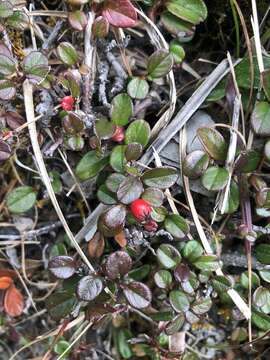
(121, 239)
(96, 246)
(5, 282)
(13, 303)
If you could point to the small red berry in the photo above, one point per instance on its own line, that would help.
(150, 226)
(119, 134)
(140, 209)
(67, 103)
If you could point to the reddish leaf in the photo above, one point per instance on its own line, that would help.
(13, 303)
(120, 13)
(5, 282)
(121, 239)
(96, 246)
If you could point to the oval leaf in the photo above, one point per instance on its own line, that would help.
(215, 178)
(118, 264)
(162, 178)
(213, 143)
(89, 287)
(138, 295)
(21, 199)
(138, 132)
(62, 267)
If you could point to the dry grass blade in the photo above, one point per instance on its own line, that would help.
(30, 115)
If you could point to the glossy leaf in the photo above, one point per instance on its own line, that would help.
(104, 129)
(90, 165)
(215, 178)
(138, 88)
(138, 295)
(138, 132)
(153, 196)
(118, 264)
(262, 321)
(67, 53)
(114, 180)
(176, 225)
(213, 143)
(133, 151)
(21, 199)
(62, 267)
(36, 67)
(159, 64)
(202, 305)
(129, 190)
(168, 256)
(100, 27)
(105, 196)
(192, 250)
(175, 324)
(179, 301)
(162, 178)
(112, 221)
(207, 262)
(122, 109)
(89, 287)
(118, 159)
(194, 11)
(195, 164)
(247, 161)
(233, 199)
(260, 118)
(163, 279)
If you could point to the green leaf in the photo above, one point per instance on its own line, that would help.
(104, 129)
(113, 181)
(133, 151)
(122, 109)
(202, 305)
(193, 11)
(179, 301)
(265, 275)
(260, 118)
(192, 250)
(36, 66)
(21, 199)
(183, 30)
(159, 214)
(262, 252)
(261, 297)
(247, 161)
(266, 83)
(55, 181)
(168, 256)
(207, 262)
(177, 51)
(262, 321)
(90, 165)
(138, 88)
(163, 279)
(7, 65)
(175, 324)
(140, 273)
(159, 64)
(162, 178)
(67, 53)
(221, 284)
(138, 132)
(213, 143)
(60, 304)
(243, 72)
(244, 280)
(195, 164)
(6, 9)
(153, 196)
(129, 190)
(176, 225)
(61, 346)
(233, 199)
(215, 178)
(123, 347)
(117, 158)
(18, 20)
(105, 196)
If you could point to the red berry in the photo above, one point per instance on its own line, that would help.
(140, 209)
(150, 226)
(119, 134)
(67, 103)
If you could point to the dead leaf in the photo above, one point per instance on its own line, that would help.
(96, 246)
(13, 303)
(121, 239)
